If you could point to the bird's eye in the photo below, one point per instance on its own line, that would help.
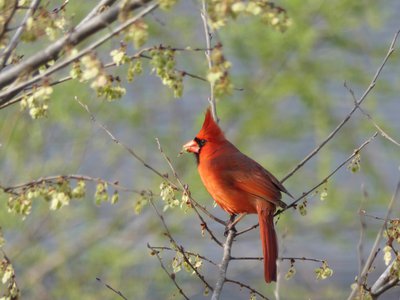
(200, 142)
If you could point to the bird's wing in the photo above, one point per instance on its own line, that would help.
(247, 175)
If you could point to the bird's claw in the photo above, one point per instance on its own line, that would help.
(228, 228)
(230, 225)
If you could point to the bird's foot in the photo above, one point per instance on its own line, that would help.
(230, 225)
(228, 228)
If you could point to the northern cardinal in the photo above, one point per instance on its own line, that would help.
(239, 185)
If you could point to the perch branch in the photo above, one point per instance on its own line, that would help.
(224, 264)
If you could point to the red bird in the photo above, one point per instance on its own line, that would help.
(239, 185)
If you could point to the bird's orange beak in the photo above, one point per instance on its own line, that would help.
(191, 146)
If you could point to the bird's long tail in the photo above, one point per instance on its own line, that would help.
(269, 242)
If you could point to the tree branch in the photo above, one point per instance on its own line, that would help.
(180, 248)
(242, 285)
(7, 19)
(224, 265)
(95, 11)
(382, 132)
(362, 277)
(112, 289)
(384, 282)
(52, 179)
(15, 39)
(170, 275)
(137, 55)
(91, 27)
(358, 103)
(115, 140)
(208, 36)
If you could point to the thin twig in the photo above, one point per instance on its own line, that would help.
(375, 217)
(363, 276)
(382, 132)
(111, 288)
(180, 248)
(361, 100)
(280, 258)
(7, 19)
(187, 252)
(363, 226)
(115, 140)
(242, 285)
(15, 39)
(55, 178)
(208, 36)
(170, 275)
(355, 152)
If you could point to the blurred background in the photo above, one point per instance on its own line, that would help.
(293, 96)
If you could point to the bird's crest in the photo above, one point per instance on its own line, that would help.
(210, 129)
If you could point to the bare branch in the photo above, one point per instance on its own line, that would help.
(52, 179)
(115, 140)
(187, 252)
(224, 264)
(15, 39)
(170, 275)
(384, 282)
(180, 248)
(112, 289)
(363, 276)
(375, 217)
(8, 18)
(204, 17)
(355, 152)
(139, 54)
(363, 226)
(361, 100)
(89, 28)
(281, 258)
(241, 284)
(101, 5)
(382, 132)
